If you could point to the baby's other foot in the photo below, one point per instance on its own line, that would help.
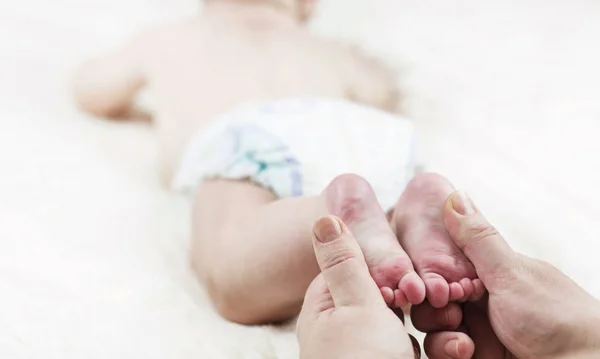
(446, 271)
(352, 199)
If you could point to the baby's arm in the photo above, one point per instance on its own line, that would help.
(369, 80)
(107, 85)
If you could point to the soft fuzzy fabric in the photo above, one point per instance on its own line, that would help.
(93, 252)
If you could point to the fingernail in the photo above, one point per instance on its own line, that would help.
(327, 229)
(451, 348)
(462, 203)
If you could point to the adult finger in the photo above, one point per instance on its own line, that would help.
(317, 299)
(449, 345)
(426, 318)
(476, 237)
(343, 265)
(480, 329)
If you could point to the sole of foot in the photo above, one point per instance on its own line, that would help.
(351, 198)
(418, 218)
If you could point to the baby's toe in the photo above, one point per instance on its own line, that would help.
(437, 289)
(388, 295)
(413, 288)
(478, 290)
(468, 288)
(400, 300)
(456, 292)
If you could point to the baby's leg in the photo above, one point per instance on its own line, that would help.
(253, 251)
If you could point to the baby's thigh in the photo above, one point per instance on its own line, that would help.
(219, 203)
(221, 207)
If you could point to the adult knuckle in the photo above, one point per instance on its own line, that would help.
(338, 257)
(479, 232)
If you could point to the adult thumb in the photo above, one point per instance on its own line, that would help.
(477, 238)
(342, 264)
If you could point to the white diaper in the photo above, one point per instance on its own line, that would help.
(296, 147)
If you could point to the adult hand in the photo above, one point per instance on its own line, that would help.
(532, 309)
(344, 315)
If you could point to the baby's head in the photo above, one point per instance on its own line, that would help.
(301, 9)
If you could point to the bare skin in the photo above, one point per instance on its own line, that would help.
(532, 310)
(252, 285)
(252, 250)
(419, 223)
(235, 51)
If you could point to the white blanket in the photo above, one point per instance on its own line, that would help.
(93, 252)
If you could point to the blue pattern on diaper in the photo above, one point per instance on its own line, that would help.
(263, 157)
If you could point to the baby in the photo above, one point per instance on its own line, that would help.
(259, 120)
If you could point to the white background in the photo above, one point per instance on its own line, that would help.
(93, 252)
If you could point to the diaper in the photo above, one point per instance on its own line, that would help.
(296, 147)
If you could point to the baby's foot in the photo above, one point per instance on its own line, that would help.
(446, 271)
(351, 198)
